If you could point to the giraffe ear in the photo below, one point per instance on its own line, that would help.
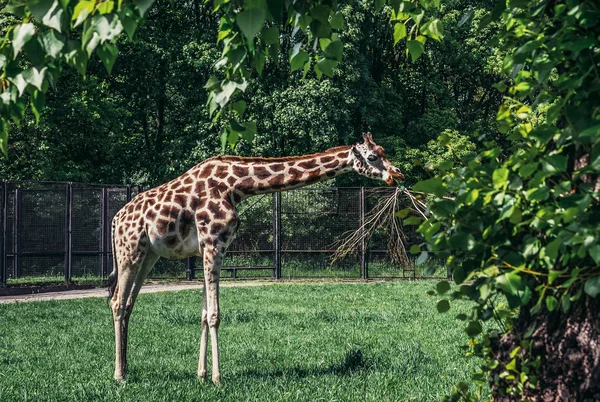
(355, 150)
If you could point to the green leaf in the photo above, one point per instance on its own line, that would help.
(415, 48)
(129, 20)
(298, 60)
(335, 50)
(53, 43)
(500, 177)
(143, 6)
(251, 22)
(35, 77)
(442, 287)
(106, 7)
(239, 107)
(320, 13)
(594, 252)
(590, 131)
(82, 10)
(259, 62)
(306, 69)
(414, 249)
(434, 29)
(236, 57)
(271, 36)
(442, 306)
(538, 194)
(227, 90)
(249, 132)
(4, 137)
(592, 286)
(422, 258)
(528, 169)
(19, 82)
(554, 164)
(212, 83)
(553, 247)
(37, 103)
(326, 66)
(48, 12)
(16, 7)
(412, 220)
(224, 136)
(399, 32)
(444, 207)
(551, 303)
(431, 186)
(232, 137)
(21, 35)
(511, 283)
(472, 196)
(337, 21)
(403, 213)
(108, 54)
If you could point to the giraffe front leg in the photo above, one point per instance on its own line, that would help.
(213, 259)
(203, 338)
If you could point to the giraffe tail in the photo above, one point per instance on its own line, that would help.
(114, 275)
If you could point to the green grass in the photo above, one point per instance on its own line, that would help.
(327, 342)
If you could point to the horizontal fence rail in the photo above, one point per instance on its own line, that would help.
(61, 231)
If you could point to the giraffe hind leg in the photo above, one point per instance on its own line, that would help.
(131, 276)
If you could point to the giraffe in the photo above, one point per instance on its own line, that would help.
(195, 215)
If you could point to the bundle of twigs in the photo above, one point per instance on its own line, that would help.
(383, 215)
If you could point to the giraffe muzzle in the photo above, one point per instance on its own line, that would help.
(394, 178)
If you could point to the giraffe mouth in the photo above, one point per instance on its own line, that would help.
(394, 178)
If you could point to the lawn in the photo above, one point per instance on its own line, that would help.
(305, 342)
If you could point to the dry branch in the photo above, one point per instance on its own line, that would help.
(383, 215)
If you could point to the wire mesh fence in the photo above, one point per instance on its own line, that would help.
(56, 231)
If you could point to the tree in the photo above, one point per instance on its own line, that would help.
(53, 33)
(520, 227)
(146, 122)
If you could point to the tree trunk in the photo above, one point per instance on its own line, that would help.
(568, 345)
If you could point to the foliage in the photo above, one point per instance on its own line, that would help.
(146, 122)
(252, 31)
(360, 342)
(50, 34)
(520, 227)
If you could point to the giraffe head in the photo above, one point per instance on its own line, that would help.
(370, 161)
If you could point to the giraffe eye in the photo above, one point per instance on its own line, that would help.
(372, 158)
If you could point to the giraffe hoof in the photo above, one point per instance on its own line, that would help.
(202, 375)
(120, 379)
(216, 379)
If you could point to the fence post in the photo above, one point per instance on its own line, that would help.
(16, 259)
(190, 266)
(3, 259)
(105, 233)
(69, 233)
(364, 263)
(128, 192)
(277, 233)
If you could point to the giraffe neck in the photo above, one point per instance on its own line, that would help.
(267, 175)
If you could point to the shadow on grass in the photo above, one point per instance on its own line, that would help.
(353, 362)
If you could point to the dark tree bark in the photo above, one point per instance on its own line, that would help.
(569, 347)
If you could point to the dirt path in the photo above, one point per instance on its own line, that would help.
(147, 288)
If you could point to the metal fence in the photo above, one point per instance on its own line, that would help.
(62, 231)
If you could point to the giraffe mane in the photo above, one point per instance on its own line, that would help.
(253, 159)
